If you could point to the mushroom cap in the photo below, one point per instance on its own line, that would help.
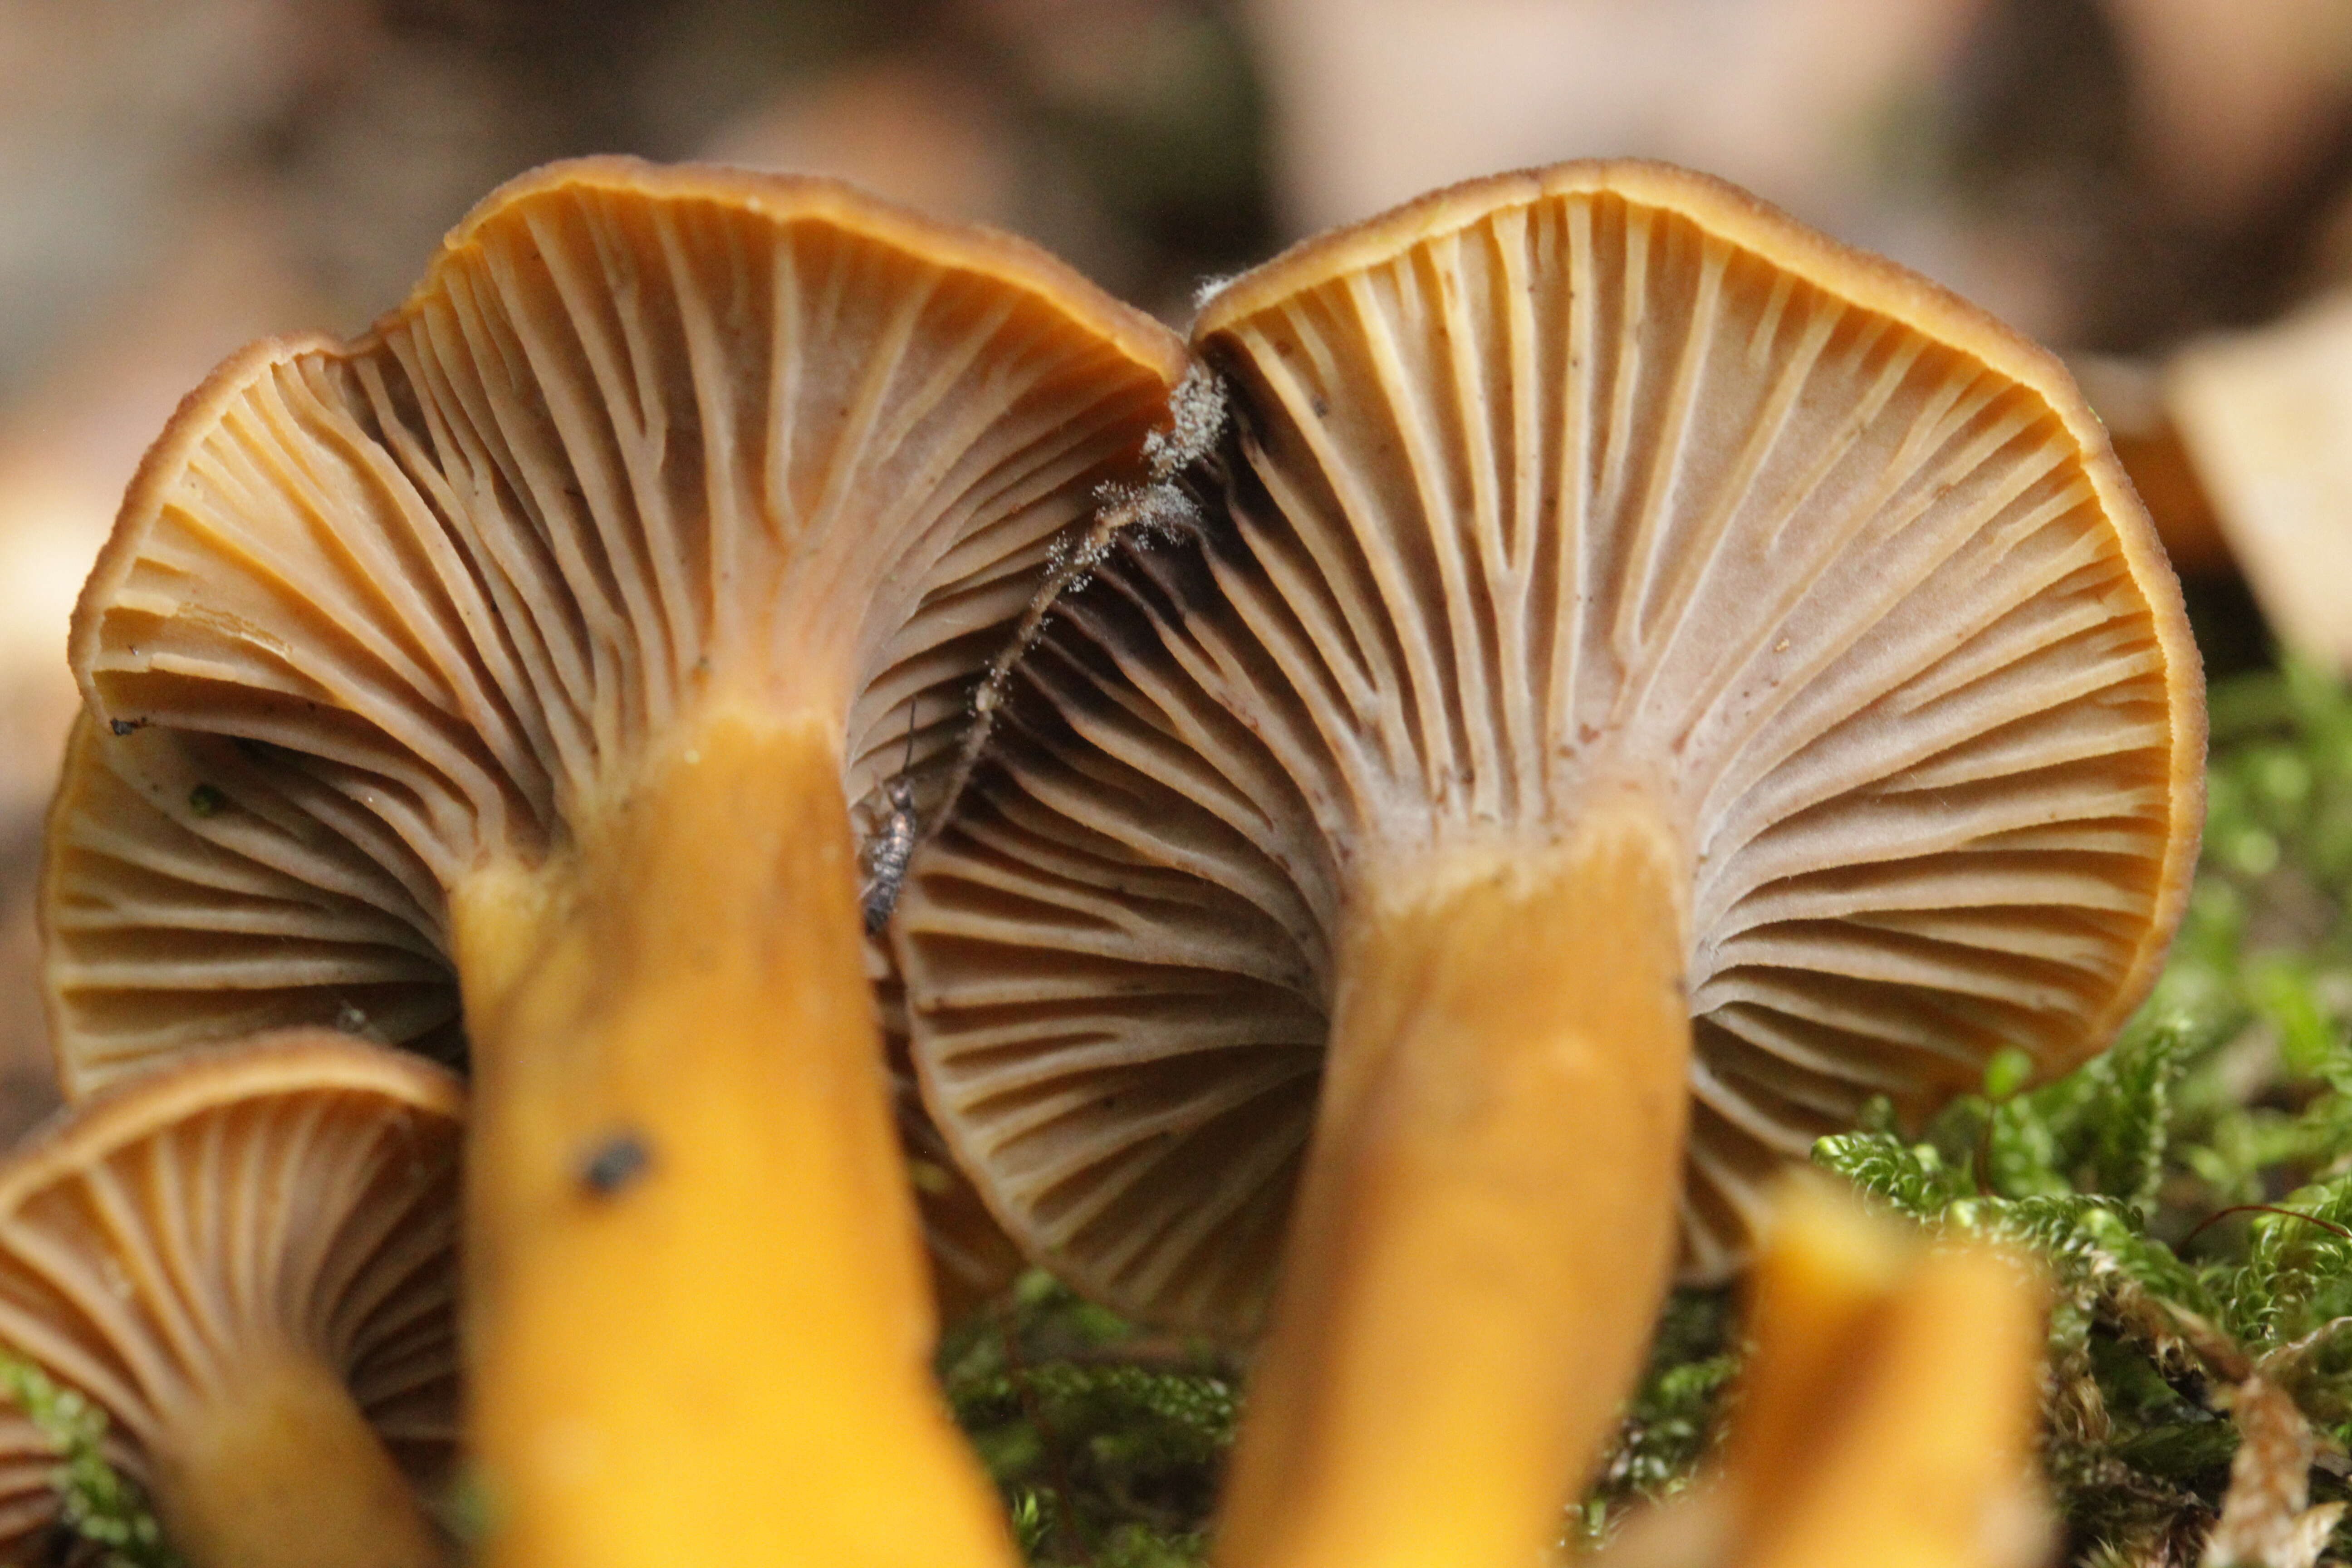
(973, 1260)
(1599, 478)
(300, 1192)
(639, 433)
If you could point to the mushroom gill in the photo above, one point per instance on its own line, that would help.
(192, 894)
(1643, 665)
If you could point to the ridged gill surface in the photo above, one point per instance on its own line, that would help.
(299, 1193)
(1603, 475)
(194, 893)
(639, 433)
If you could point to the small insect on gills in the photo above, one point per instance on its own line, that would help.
(893, 843)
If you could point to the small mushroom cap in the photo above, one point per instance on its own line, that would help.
(298, 1192)
(2262, 419)
(1601, 478)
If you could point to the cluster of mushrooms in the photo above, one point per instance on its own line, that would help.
(1376, 830)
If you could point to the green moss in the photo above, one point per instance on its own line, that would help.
(1673, 1421)
(1106, 1441)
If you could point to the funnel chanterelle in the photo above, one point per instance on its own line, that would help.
(1651, 664)
(249, 1260)
(570, 610)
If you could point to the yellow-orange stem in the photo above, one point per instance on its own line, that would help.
(699, 1321)
(280, 1470)
(1487, 1222)
(1858, 1329)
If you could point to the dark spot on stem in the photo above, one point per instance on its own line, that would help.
(206, 801)
(617, 1162)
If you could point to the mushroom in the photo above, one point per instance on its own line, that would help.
(1886, 1415)
(1656, 680)
(2262, 418)
(189, 898)
(597, 596)
(249, 1261)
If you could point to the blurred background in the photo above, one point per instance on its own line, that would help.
(2162, 189)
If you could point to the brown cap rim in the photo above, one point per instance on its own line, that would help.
(299, 1058)
(813, 198)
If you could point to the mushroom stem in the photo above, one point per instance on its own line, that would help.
(1487, 1218)
(1858, 1329)
(698, 1310)
(279, 1469)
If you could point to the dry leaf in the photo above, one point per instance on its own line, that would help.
(2264, 1522)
